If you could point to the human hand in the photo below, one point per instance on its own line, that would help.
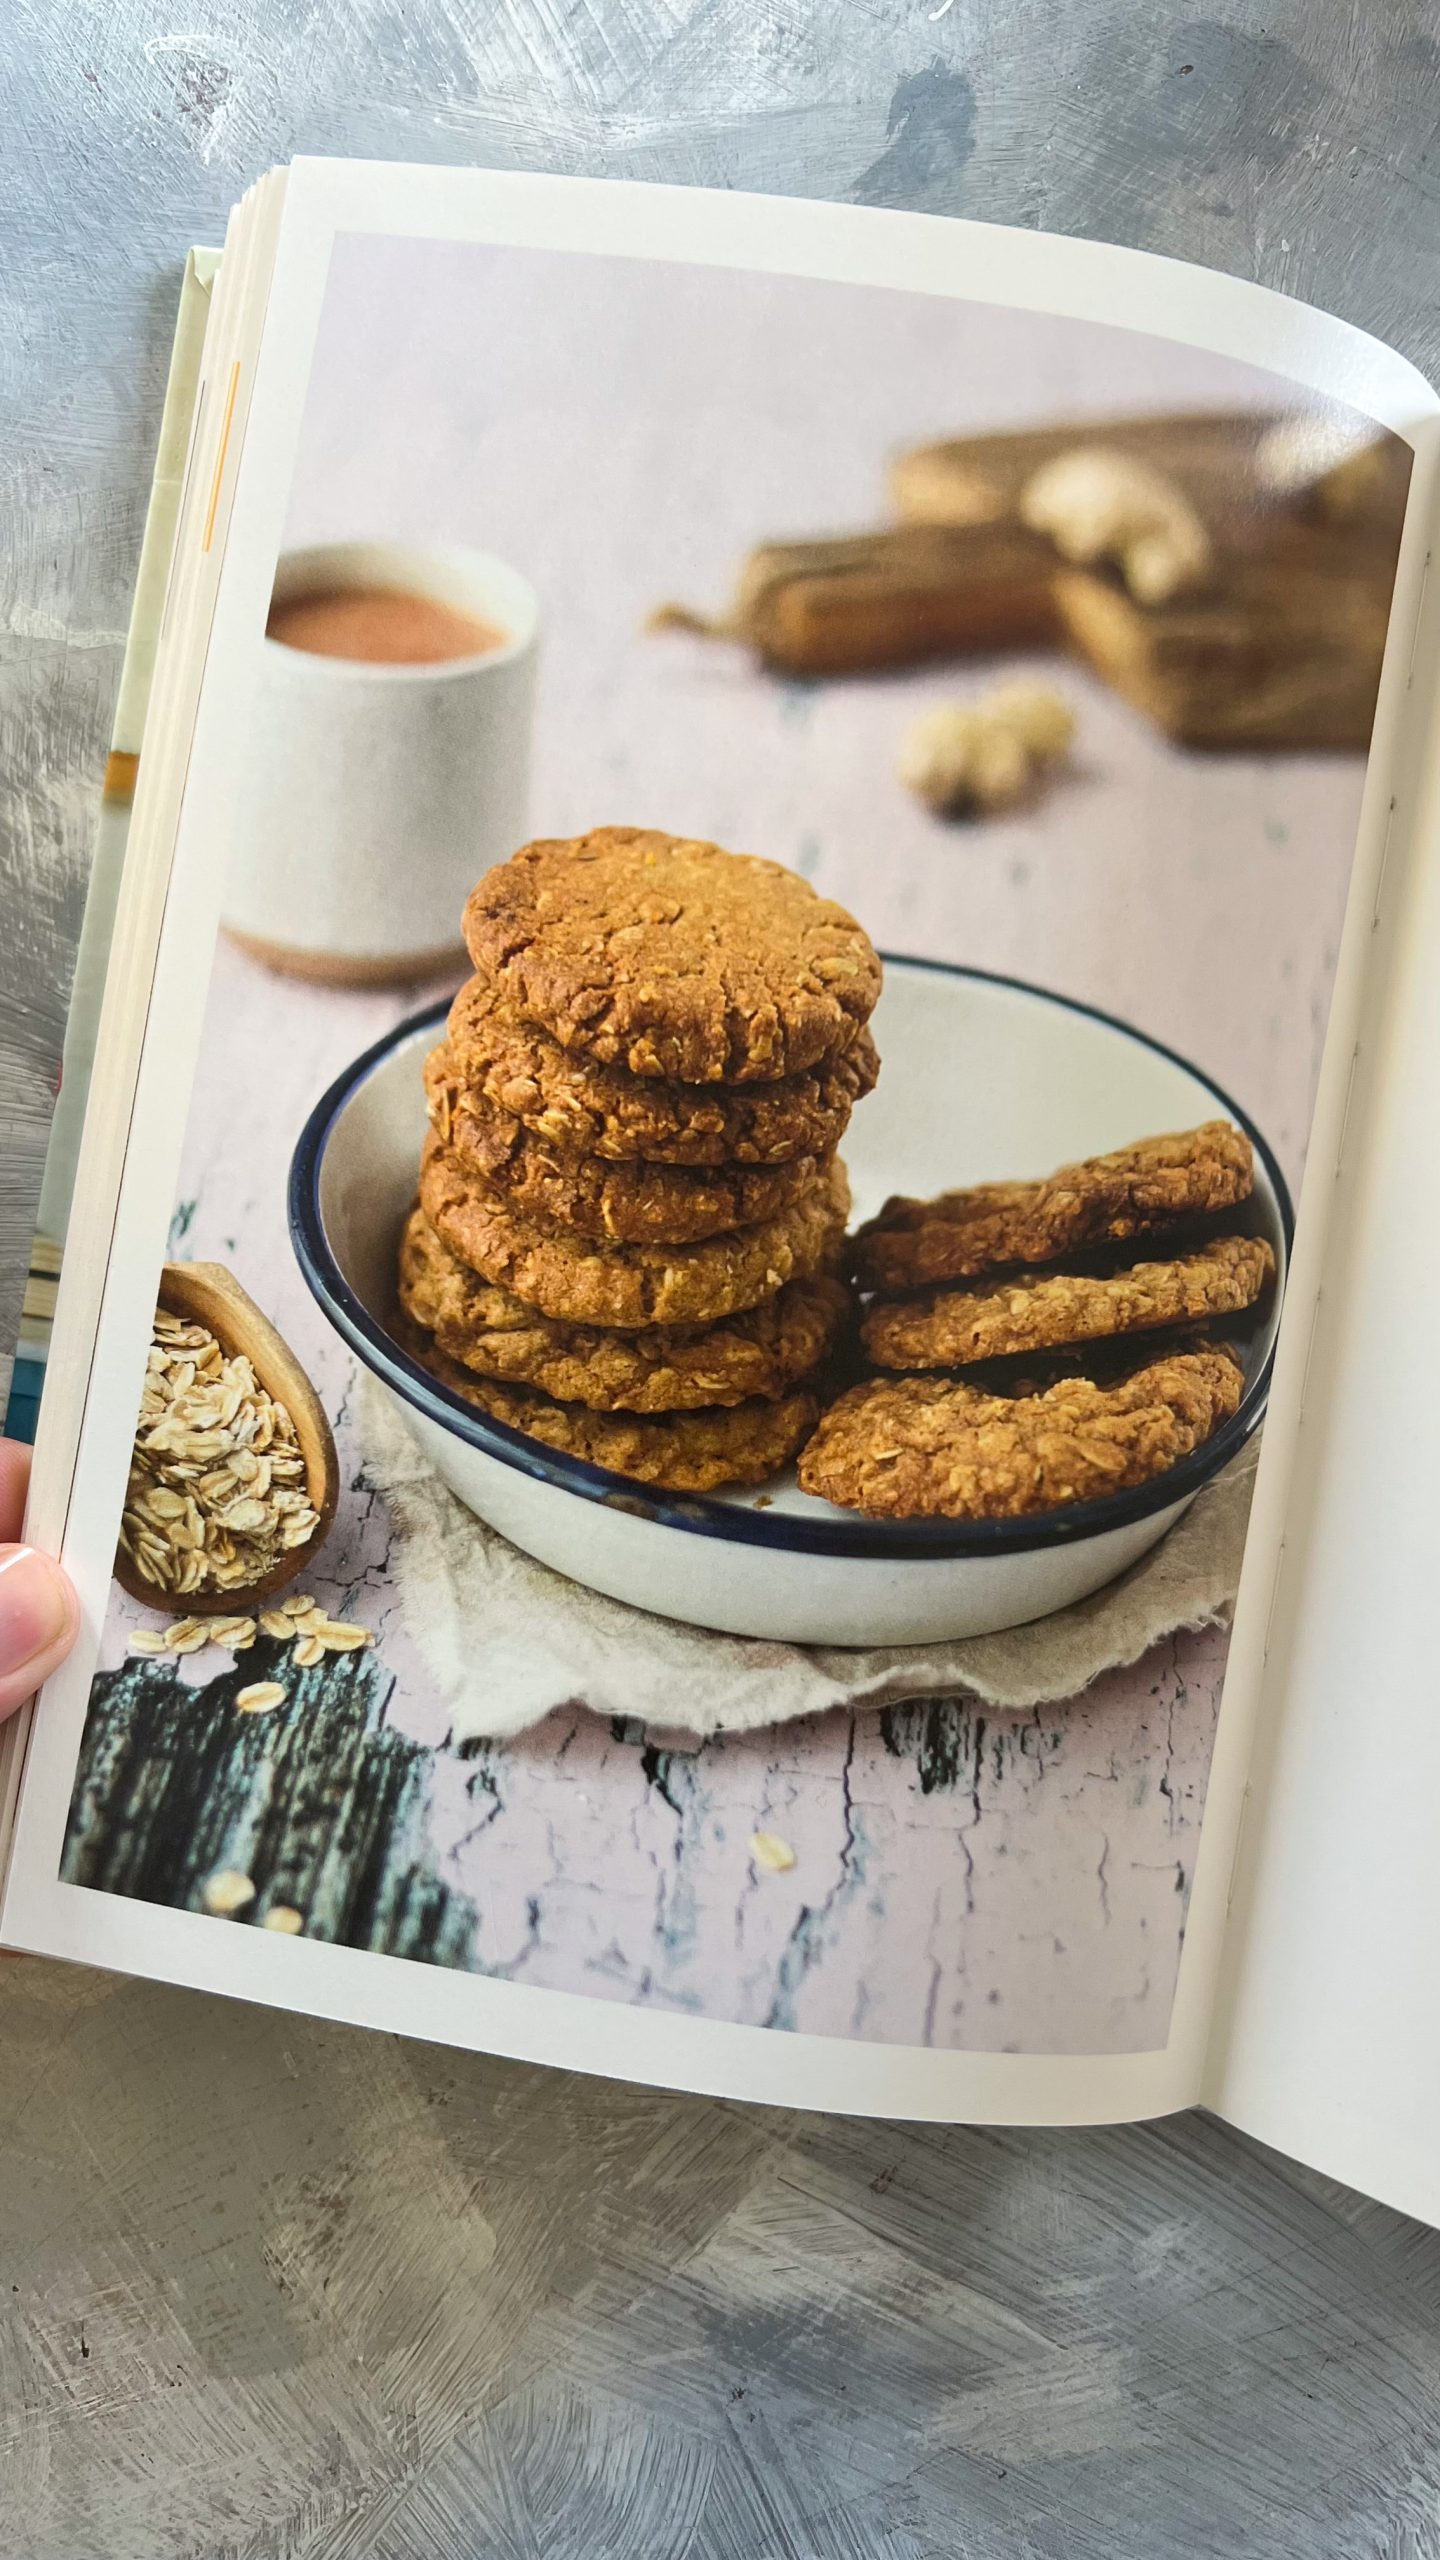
(39, 1613)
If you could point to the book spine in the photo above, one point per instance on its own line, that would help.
(111, 836)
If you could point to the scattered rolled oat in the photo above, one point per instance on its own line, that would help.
(338, 1635)
(286, 1922)
(300, 1623)
(236, 1634)
(770, 1851)
(217, 1491)
(260, 1697)
(316, 1633)
(226, 1893)
(187, 1635)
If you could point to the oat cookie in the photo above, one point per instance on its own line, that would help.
(660, 1369)
(685, 1452)
(672, 957)
(1038, 1311)
(932, 1448)
(630, 1285)
(595, 1110)
(614, 1203)
(914, 1243)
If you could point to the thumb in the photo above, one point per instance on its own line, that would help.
(39, 1618)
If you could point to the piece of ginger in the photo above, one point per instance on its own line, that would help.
(1336, 466)
(988, 754)
(1096, 505)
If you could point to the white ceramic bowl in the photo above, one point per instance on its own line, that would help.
(983, 1077)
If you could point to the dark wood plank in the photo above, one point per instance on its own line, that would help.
(319, 1802)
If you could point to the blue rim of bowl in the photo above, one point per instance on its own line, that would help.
(885, 1540)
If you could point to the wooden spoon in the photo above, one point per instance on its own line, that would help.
(206, 1293)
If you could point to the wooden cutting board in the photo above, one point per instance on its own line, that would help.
(977, 480)
(1282, 649)
(1264, 662)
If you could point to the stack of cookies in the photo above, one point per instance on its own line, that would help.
(1138, 1248)
(631, 1213)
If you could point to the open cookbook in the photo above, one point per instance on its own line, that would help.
(731, 1328)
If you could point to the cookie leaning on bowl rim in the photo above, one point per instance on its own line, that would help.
(1043, 1310)
(630, 1285)
(612, 1203)
(1107, 1199)
(594, 1110)
(763, 1352)
(671, 957)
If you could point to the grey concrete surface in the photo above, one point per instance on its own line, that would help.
(277, 2291)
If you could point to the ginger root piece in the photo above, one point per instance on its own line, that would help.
(1098, 506)
(988, 754)
(1339, 468)
(977, 479)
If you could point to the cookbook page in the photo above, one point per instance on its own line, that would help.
(202, 428)
(1327, 2042)
(478, 1662)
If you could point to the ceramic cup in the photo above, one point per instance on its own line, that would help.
(375, 795)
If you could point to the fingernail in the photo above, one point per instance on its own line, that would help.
(34, 1608)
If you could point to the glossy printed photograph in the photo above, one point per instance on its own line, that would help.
(699, 1429)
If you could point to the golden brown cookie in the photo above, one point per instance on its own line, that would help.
(614, 1203)
(685, 1452)
(594, 1110)
(660, 1369)
(671, 957)
(933, 1448)
(630, 1285)
(914, 1243)
(1038, 1311)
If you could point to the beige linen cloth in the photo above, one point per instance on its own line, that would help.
(506, 1640)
